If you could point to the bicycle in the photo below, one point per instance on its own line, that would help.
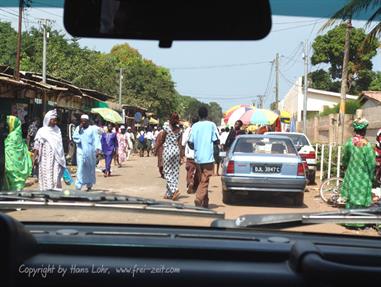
(330, 191)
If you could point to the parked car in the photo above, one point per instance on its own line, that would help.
(263, 163)
(306, 152)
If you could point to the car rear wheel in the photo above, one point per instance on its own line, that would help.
(227, 197)
(298, 199)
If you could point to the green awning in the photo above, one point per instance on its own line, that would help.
(101, 105)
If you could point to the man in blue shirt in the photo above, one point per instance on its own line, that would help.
(202, 138)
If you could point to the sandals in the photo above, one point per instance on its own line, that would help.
(190, 189)
(174, 196)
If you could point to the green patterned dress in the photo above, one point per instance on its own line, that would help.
(18, 162)
(360, 160)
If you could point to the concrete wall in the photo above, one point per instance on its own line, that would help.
(370, 104)
(327, 130)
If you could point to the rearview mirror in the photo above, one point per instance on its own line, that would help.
(167, 20)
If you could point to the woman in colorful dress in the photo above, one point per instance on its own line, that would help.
(122, 145)
(18, 161)
(49, 152)
(172, 157)
(359, 162)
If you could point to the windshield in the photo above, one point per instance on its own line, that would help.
(263, 145)
(298, 140)
(108, 121)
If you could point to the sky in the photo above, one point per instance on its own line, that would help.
(229, 73)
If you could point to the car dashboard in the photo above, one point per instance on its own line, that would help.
(55, 254)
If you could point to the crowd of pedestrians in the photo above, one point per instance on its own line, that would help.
(31, 149)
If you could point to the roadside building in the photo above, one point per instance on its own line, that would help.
(370, 99)
(317, 100)
(29, 97)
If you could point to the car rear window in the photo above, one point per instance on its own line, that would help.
(264, 146)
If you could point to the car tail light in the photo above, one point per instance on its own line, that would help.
(301, 169)
(230, 168)
(310, 155)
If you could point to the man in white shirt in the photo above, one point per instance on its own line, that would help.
(193, 174)
(149, 140)
(224, 136)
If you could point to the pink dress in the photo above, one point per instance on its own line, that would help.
(122, 147)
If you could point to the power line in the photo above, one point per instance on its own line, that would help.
(221, 99)
(244, 95)
(6, 11)
(218, 96)
(293, 55)
(48, 12)
(288, 80)
(293, 22)
(219, 66)
(293, 60)
(269, 81)
(12, 18)
(297, 27)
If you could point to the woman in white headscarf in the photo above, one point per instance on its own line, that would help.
(49, 152)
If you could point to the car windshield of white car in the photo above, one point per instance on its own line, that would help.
(298, 140)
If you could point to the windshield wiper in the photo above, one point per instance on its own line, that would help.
(370, 215)
(98, 200)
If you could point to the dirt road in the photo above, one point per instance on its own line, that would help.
(140, 177)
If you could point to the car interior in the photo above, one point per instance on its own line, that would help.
(95, 254)
(244, 147)
(278, 148)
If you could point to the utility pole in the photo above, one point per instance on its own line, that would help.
(344, 78)
(44, 24)
(277, 81)
(305, 58)
(260, 100)
(19, 32)
(120, 85)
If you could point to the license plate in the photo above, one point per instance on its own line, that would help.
(267, 168)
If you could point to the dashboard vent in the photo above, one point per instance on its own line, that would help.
(133, 234)
(216, 236)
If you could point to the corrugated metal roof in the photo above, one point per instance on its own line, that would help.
(34, 80)
(374, 95)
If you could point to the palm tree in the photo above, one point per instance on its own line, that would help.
(354, 7)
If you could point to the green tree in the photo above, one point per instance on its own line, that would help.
(355, 7)
(320, 79)
(7, 44)
(67, 60)
(375, 85)
(329, 49)
(215, 113)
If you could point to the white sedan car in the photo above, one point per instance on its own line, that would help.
(306, 151)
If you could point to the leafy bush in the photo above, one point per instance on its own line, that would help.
(350, 108)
